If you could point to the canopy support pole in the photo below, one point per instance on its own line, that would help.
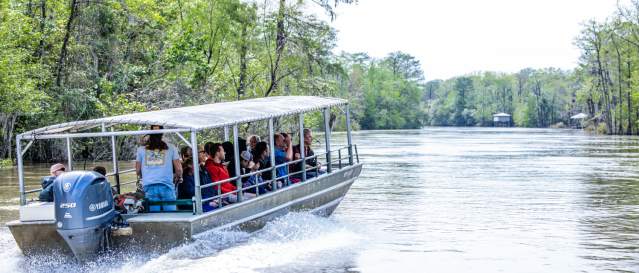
(327, 138)
(69, 155)
(302, 147)
(226, 133)
(236, 159)
(23, 200)
(114, 158)
(196, 173)
(348, 134)
(188, 143)
(271, 139)
(26, 148)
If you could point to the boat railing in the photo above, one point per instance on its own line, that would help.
(276, 181)
(107, 175)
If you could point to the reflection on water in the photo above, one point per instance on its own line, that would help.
(437, 199)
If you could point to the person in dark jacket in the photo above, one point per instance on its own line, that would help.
(229, 157)
(186, 189)
(247, 166)
(313, 167)
(46, 195)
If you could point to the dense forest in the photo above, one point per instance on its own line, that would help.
(79, 59)
(534, 98)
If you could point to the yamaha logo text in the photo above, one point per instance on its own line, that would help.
(96, 206)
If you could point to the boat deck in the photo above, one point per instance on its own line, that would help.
(159, 231)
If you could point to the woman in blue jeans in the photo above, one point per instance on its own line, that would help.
(158, 167)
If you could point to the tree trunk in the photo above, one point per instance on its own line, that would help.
(43, 14)
(280, 42)
(8, 123)
(629, 101)
(604, 85)
(243, 52)
(65, 43)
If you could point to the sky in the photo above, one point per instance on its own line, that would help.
(457, 37)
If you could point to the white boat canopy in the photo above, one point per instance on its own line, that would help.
(501, 115)
(205, 116)
(579, 116)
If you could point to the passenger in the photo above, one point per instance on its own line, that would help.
(229, 160)
(241, 143)
(186, 189)
(158, 166)
(308, 152)
(248, 166)
(99, 169)
(46, 195)
(218, 172)
(205, 179)
(252, 141)
(262, 160)
(283, 154)
(185, 153)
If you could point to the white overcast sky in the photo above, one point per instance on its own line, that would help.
(456, 37)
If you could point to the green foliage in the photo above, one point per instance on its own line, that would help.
(534, 98)
(391, 89)
(6, 163)
(73, 60)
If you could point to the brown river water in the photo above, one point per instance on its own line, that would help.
(429, 200)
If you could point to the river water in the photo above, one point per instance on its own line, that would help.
(430, 200)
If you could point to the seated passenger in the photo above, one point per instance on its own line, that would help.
(283, 154)
(219, 172)
(262, 161)
(246, 161)
(100, 169)
(252, 141)
(46, 195)
(185, 153)
(186, 189)
(312, 164)
(158, 167)
(229, 159)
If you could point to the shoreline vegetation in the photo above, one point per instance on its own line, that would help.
(76, 60)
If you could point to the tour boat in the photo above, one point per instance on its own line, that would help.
(80, 221)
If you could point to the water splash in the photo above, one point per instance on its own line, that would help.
(297, 242)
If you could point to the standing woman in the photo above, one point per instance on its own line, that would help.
(158, 166)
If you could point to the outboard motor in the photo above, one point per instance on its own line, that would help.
(83, 211)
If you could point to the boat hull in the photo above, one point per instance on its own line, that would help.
(160, 231)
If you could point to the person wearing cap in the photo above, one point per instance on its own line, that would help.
(246, 162)
(46, 195)
(158, 166)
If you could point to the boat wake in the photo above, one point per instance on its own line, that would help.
(296, 242)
